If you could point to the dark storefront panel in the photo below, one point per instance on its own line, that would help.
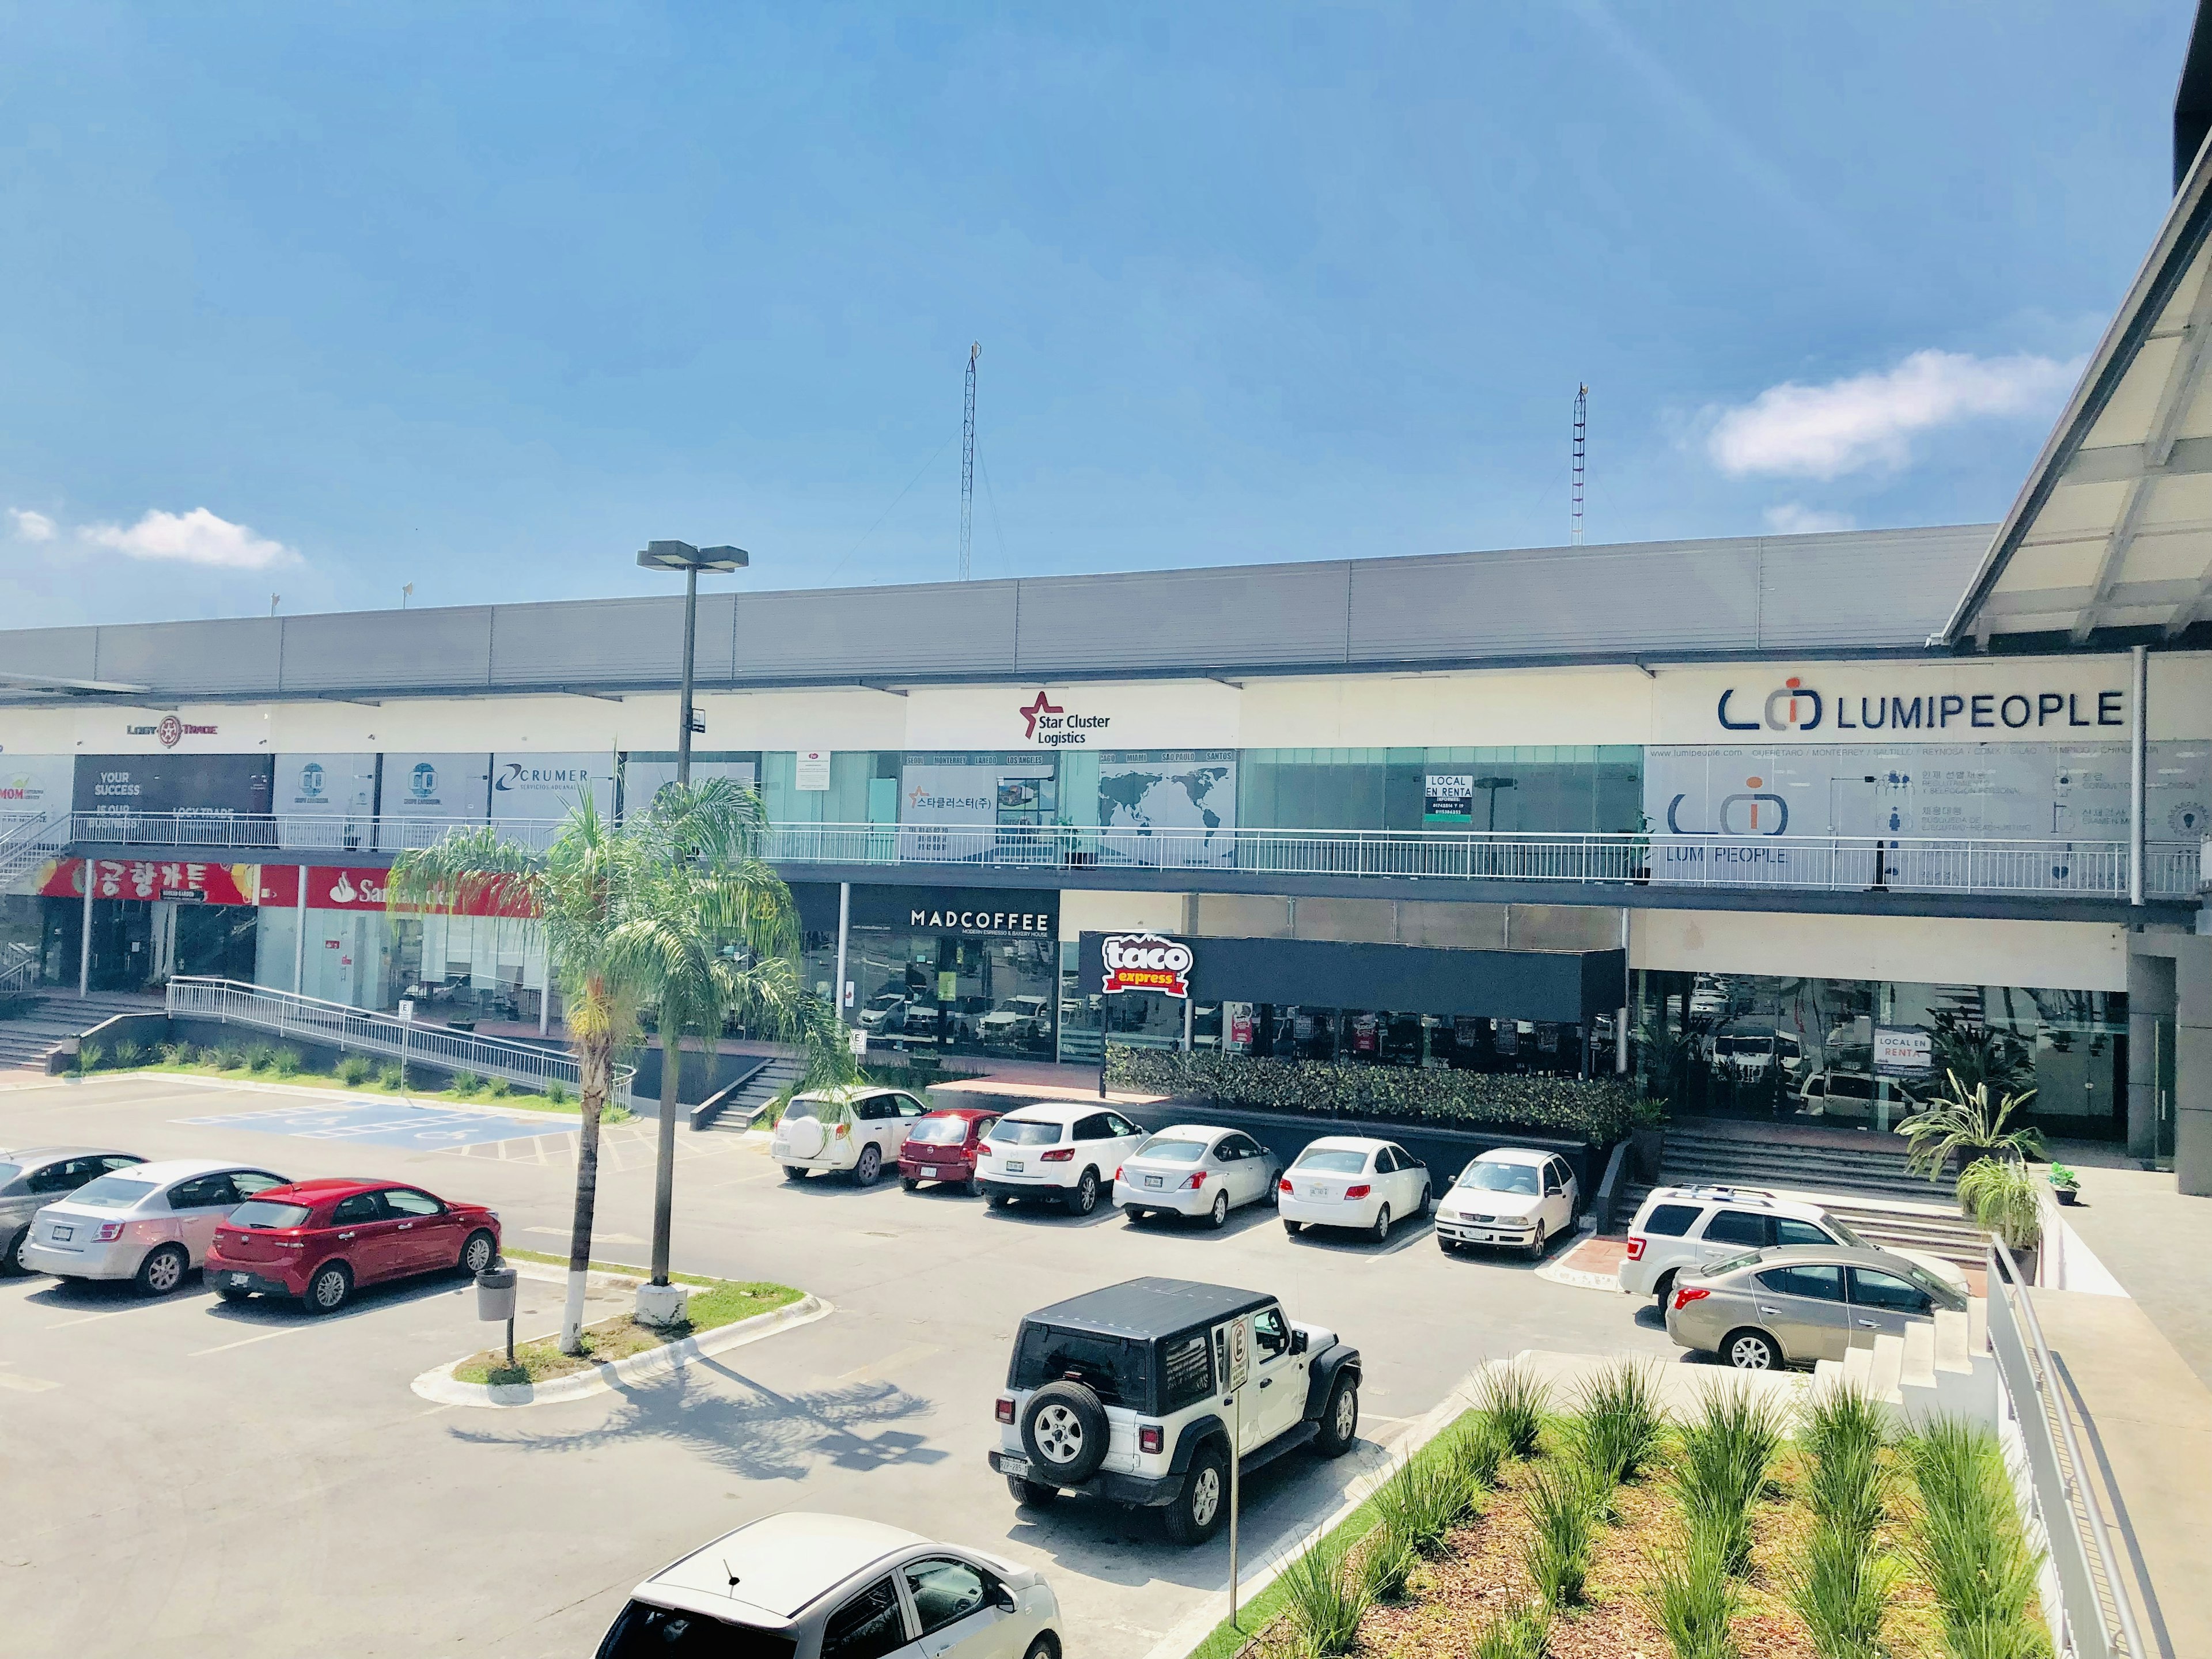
(215, 785)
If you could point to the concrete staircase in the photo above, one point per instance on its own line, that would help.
(1860, 1179)
(737, 1113)
(1944, 1369)
(53, 1017)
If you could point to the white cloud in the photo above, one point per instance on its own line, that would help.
(194, 537)
(1870, 420)
(32, 526)
(1796, 519)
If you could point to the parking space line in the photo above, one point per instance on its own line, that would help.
(919, 1351)
(26, 1384)
(91, 1319)
(264, 1336)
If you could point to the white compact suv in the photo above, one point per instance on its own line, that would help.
(1126, 1394)
(855, 1131)
(799, 1586)
(1196, 1170)
(1686, 1230)
(1516, 1196)
(1062, 1153)
(1349, 1181)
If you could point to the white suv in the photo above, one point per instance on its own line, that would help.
(855, 1131)
(801, 1586)
(1065, 1153)
(1689, 1229)
(1124, 1393)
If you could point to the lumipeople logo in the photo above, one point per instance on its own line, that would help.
(422, 782)
(311, 780)
(1766, 813)
(1792, 706)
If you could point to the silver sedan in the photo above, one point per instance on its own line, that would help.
(1196, 1170)
(31, 1177)
(1767, 1308)
(151, 1222)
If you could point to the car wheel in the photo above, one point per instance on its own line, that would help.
(871, 1164)
(1293, 1228)
(1199, 1507)
(793, 1172)
(232, 1292)
(1383, 1223)
(973, 1185)
(1340, 1417)
(11, 1258)
(328, 1290)
(1428, 1203)
(1085, 1199)
(163, 1270)
(1663, 1290)
(480, 1250)
(1031, 1492)
(1752, 1351)
(1064, 1432)
(1536, 1243)
(911, 1183)
(1218, 1216)
(1274, 1192)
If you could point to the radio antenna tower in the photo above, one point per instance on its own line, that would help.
(1582, 434)
(968, 461)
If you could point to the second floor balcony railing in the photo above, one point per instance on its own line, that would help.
(1905, 864)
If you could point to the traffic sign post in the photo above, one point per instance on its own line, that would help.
(1240, 1372)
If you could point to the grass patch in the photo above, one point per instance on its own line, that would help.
(354, 1074)
(720, 1302)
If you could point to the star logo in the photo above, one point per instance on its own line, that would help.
(1040, 707)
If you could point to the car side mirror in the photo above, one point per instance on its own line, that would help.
(1003, 1599)
(1297, 1341)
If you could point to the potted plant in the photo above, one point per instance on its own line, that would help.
(2065, 1184)
(1999, 1194)
(1969, 1127)
(1639, 849)
(1647, 1136)
(1072, 851)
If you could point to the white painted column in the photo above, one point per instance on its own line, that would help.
(84, 937)
(299, 942)
(1621, 1019)
(2138, 759)
(844, 927)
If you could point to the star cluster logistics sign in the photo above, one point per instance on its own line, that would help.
(1145, 961)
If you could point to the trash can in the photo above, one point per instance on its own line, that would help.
(495, 1293)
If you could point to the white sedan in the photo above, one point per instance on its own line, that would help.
(1511, 1195)
(1348, 1181)
(1195, 1170)
(794, 1585)
(150, 1223)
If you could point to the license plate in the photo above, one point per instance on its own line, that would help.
(1316, 1191)
(1009, 1464)
(1013, 1166)
(60, 1233)
(1155, 1180)
(237, 1281)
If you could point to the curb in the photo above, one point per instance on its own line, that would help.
(558, 1120)
(1558, 1272)
(1185, 1635)
(439, 1385)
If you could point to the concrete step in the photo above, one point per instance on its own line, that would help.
(771, 1080)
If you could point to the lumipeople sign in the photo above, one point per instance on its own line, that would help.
(1145, 961)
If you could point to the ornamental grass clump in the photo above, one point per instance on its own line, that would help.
(391, 1075)
(286, 1063)
(1692, 1597)
(1728, 1451)
(467, 1083)
(1523, 1633)
(1617, 1426)
(89, 1056)
(1473, 1449)
(1515, 1400)
(1326, 1600)
(1841, 1434)
(354, 1070)
(1565, 1499)
(1840, 1586)
(1418, 1504)
(1967, 1544)
(128, 1055)
(260, 1056)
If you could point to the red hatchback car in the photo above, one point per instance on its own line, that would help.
(942, 1146)
(317, 1240)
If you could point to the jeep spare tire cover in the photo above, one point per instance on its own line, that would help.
(805, 1136)
(1064, 1432)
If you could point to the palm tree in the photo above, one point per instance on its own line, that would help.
(713, 935)
(580, 891)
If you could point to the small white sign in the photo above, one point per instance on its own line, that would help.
(857, 1040)
(1240, 1355)
(407, 1010)
(1903, 1051)
(812, 772)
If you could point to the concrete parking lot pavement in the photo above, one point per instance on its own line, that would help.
(218, 1477)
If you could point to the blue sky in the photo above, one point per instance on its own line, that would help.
(320, 300)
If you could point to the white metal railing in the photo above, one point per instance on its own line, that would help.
(2099, 1614)
(23, 845)
(1908, 864)
(19, 965)
(362, 1031)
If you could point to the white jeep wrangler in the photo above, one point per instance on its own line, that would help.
(1123, 1393)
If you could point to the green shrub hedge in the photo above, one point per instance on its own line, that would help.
(1597, 1110)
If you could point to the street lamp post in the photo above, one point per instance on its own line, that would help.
(677, 555)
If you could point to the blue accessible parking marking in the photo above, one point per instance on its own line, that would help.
(381, 1123)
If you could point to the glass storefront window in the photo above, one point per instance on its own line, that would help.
(1590, 788)
(1746, 1045)
(942, 993)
